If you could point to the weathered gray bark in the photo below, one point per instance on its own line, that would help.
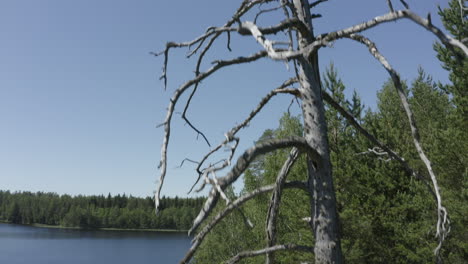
(327, 247)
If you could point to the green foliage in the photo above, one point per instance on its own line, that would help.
(385, 215)
(97, 211)
(450, 144)
(453, 60)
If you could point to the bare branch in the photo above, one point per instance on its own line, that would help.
(188, 160)
(442, 221)
(404, 4)
(276, 200)
(462, 8)
(447, 40)
(244, 8)
(229, 208)
(210, 32)
(267, 44)
(263, 11)
(247, 27)
(215, 183)
(376, 151)
(230, 135)
(228, 45)
(390, 6)
(184, 115)
(244, 161)
(329, 99)
(314, 4)
(312, 16)
(325, 39)
(253, 253)
(216, 32)
(174, 100)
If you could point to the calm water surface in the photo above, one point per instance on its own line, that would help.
(27, 245)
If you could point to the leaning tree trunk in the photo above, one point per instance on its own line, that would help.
(324, 217)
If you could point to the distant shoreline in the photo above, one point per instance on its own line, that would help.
(98, 229)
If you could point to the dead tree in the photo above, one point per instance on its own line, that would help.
(302, 52)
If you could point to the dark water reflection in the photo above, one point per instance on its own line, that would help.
(24, 244)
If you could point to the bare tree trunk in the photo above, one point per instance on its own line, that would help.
(324, 217)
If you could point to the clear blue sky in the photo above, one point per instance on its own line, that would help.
(80, 96)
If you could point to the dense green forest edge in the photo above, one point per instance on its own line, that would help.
(97, 211)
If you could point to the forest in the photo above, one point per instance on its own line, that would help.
(97, 211)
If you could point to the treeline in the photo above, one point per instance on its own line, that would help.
(120, 211)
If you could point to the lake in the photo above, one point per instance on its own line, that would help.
(25, 245)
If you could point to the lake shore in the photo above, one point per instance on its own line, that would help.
(23, 244)
(98, 229)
